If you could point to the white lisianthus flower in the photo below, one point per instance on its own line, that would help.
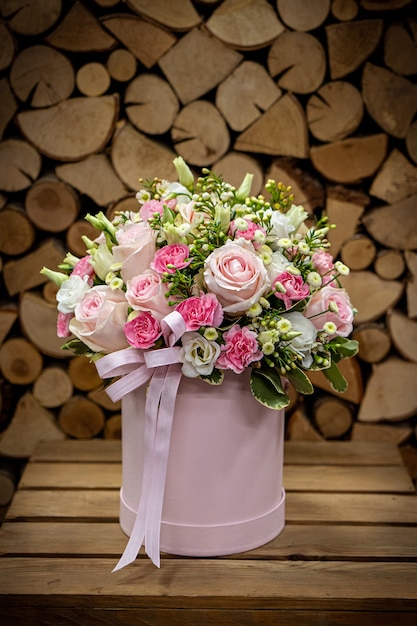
(198, 355)
(71, 293)
(302, 344)
(281, 227)
(296, 216)
(178, 191)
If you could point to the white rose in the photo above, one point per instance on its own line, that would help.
(302, 344)
(71, 292)
(297, 216)
(198, 355)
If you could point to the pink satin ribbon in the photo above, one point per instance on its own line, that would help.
(163, 369)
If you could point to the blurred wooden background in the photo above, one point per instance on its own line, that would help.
(319, 94)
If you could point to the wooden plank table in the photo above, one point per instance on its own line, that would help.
(347, 555)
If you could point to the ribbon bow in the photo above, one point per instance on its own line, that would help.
(163, 369)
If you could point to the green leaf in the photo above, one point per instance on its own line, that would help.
(300, 381)
(78, 347)
(346, 348)
(335, 378)
(215, 378)
(266, 387)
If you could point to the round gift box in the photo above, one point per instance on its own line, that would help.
(223, 491)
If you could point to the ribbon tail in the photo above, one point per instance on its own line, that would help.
(160, 462)
(151, 411)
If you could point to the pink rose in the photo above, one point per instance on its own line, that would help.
(324, 265)
(136, 249)
(342, 314)
(143, 330)
(170, 258)
(203, 311)
(146, 292)
(240, 350)
(62, 324)
(249, 233)
(84, 268)
(295, 288)
(99, 319)
(236, 275)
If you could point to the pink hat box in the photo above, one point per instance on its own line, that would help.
(223, 491)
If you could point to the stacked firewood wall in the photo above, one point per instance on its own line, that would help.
(321, 95)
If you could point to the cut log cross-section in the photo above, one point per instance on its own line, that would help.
(80, 31)
(178, 15)
(147, 42)
(71, 129)
(245, 25)
(245, 94)
(200, 134)
(17, 234)
(302, 15)
(20, 165)
(350, 44)
(335, 111)
(134, 156)
(282, 130)
(8, 104)
(299, 61)
(371, 295)
(400, 47)
(391, 393)
(151, 104)
(30, 424)
(43, 75)
(390, 99)
(197, 64)
(395, 225)
(396, 180)
(31, 18)
(51, 205)
(350, 160)
(95, 177)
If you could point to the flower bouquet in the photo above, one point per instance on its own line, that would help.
(203, 283)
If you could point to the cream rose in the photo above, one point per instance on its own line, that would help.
(136, 249)
(236, 275)
(99, 319)
(146, 292)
